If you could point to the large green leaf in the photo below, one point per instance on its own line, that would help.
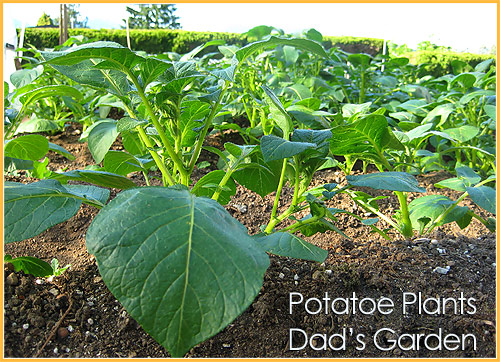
(33, 208)
(61, 150)
(304, 44)
(484, 196)
(180, 265)
(289, 245)
(101, 138)
(113, 55)
(392, 181)
(28, 147)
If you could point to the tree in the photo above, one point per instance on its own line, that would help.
(74, 15)
(45, 20)
(153, 16)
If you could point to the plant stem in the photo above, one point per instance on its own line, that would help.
(161, 165)
(406, 227)
(222, 183)
(273, 221)
(208, 123)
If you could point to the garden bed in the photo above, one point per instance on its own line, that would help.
(89, 322)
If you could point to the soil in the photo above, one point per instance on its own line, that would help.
(74, 315)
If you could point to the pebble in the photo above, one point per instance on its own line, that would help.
(418, 248)
(97, 279)
(422, 240)
(54, 292)
(434, 242)
(56, 350)
(226, 345)
(26, 326)
(328, 272)
(286, 270)
(451, 263)
(316, 274)
(62, 332)
(241, 208)
(441, 270)
(441, 251)
(12, 279)
(295, 277)
(90, 321)
(70, 328)
(281, 275)
(40, 281)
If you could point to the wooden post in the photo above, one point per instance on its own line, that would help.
(63, 23)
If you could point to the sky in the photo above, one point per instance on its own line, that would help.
(464, 27)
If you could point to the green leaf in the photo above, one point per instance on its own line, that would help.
(392, 181)
(96, 195)
(304, 44)
(276, 148)
(61, 150)
(28, 147)
(289, 245)
(262, 180)
(30, 265)
(240, 150)
(193, 114)
(467, 174)
(464, 80)
(299, 91)
(484, 196)
(359, 60)
(101, 178)
(429, 208)
(207, 185)
(198, 267)
(49, 91)
(121, 163)
(278, 112)
(23, 77)
(12, 164)
(366, 138)
(34, 125)
(454, 183)
(128, 123)
(349, 110)
(320, 138)
(101, 138)
(33, 208)
(463, 133)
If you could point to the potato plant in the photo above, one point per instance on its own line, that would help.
(180, 264)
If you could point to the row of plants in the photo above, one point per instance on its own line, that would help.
(180, 264)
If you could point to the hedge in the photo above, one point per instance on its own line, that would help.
(181, 41)
(437, 63)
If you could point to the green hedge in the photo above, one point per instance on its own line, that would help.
(437, 63)
(353, 44)
(150, 41)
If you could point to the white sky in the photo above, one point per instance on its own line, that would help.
(465, 27)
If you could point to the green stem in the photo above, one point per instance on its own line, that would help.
(406, 227)
(222, 183)
(208, 123)
(273, 221)
(149, 145)
(165, 142)
(146, 178)
(292, 228)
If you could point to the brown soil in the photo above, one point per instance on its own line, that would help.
(89, 322)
